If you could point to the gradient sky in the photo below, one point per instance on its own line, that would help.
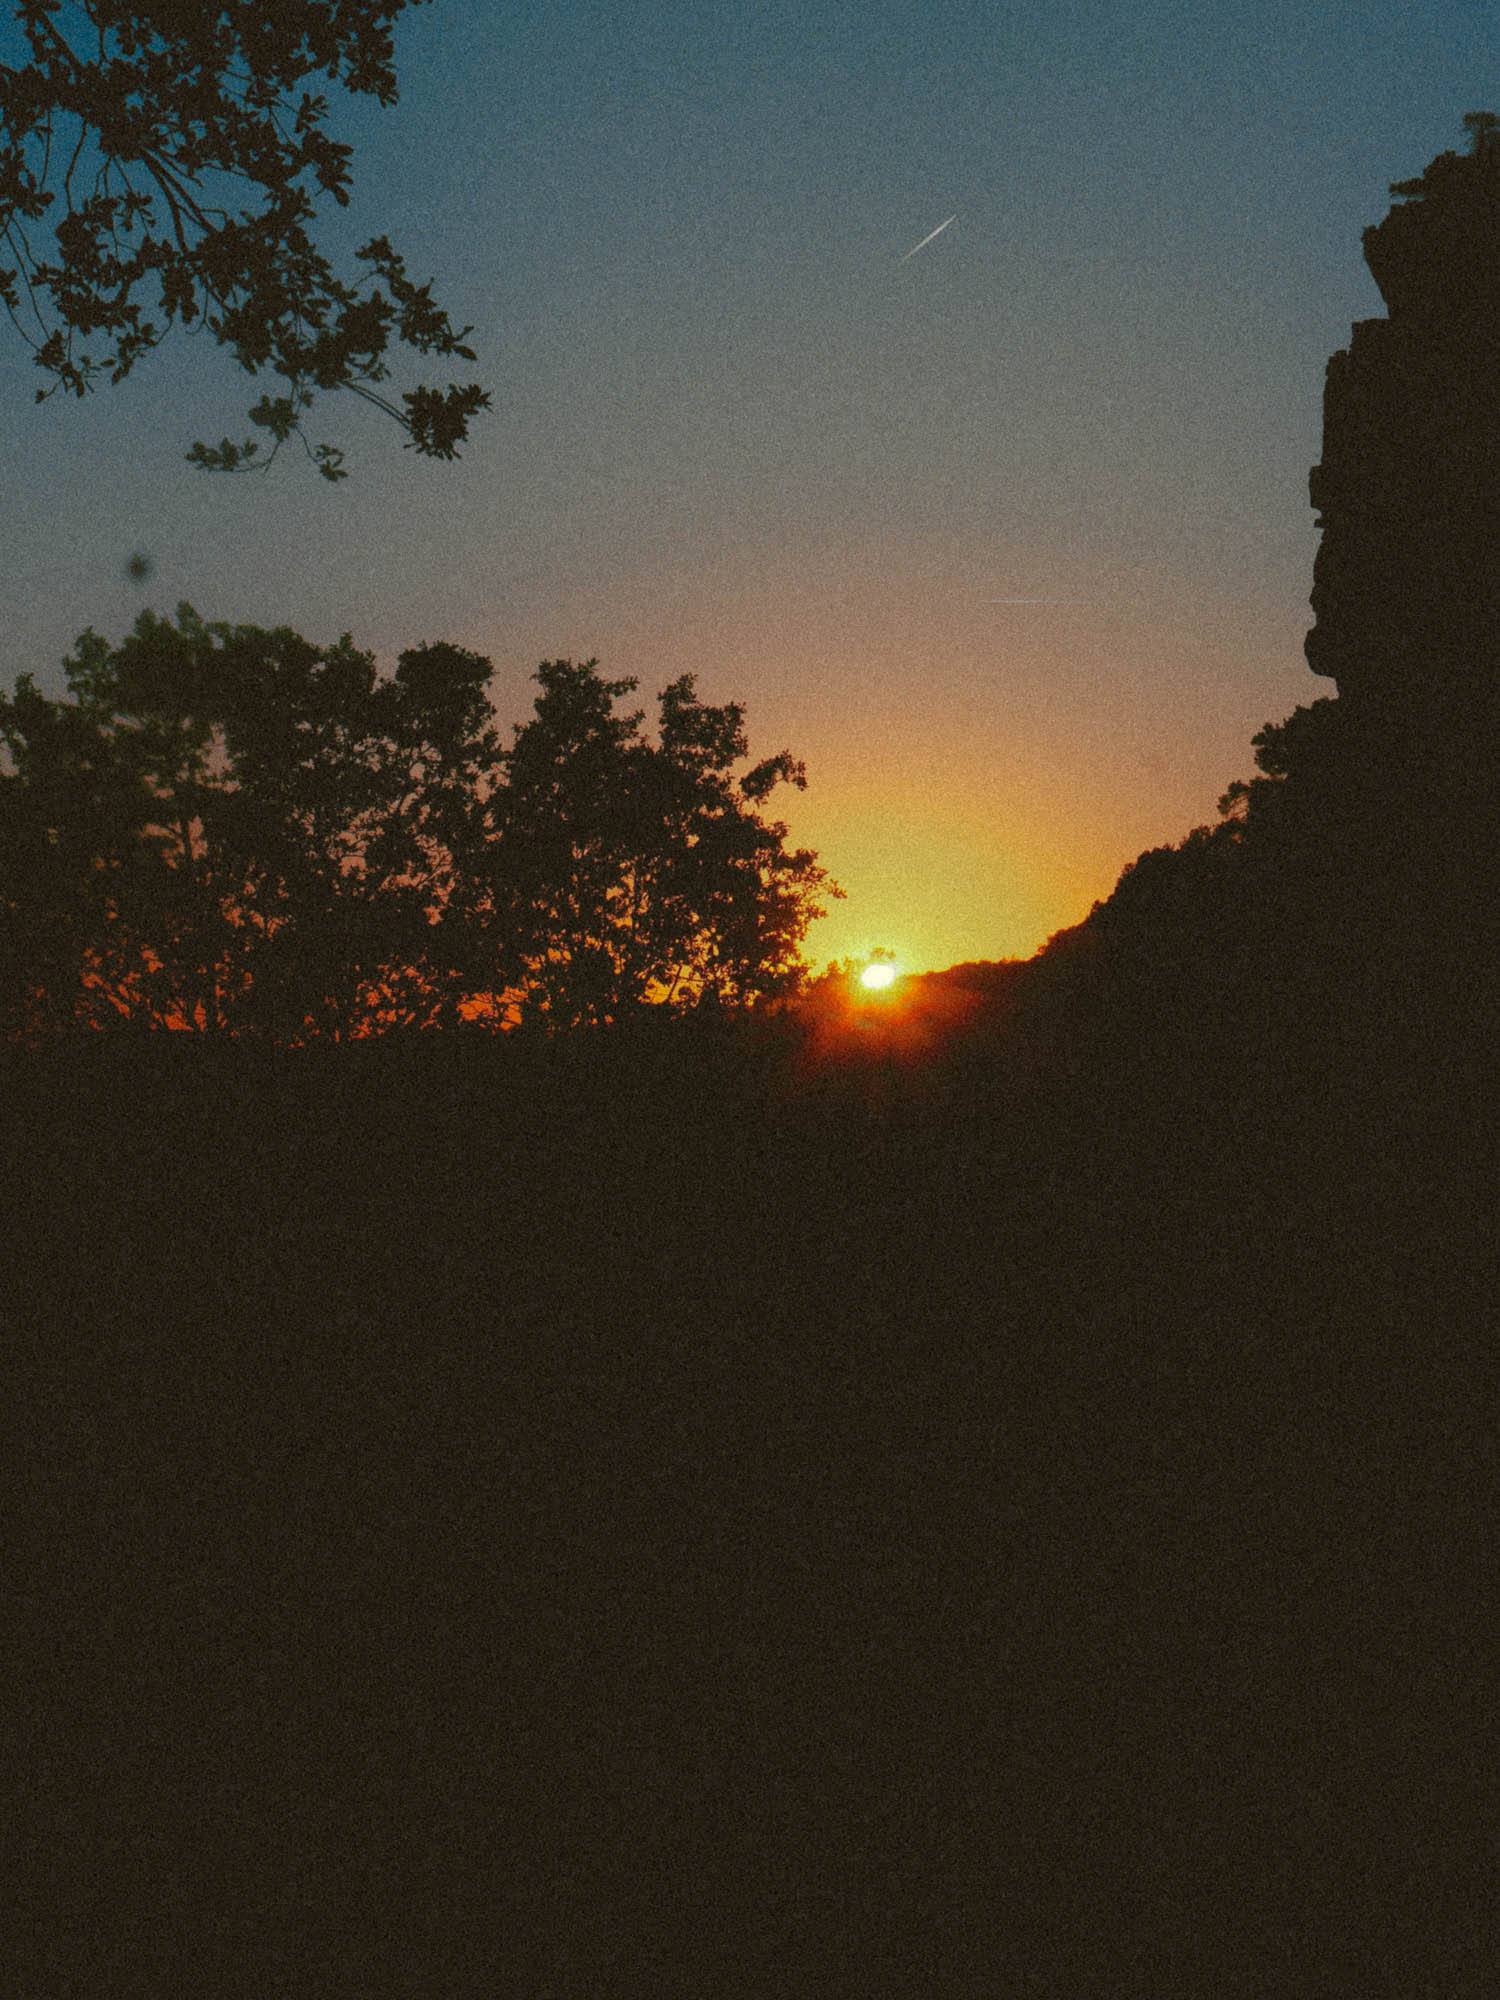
(1009, 541)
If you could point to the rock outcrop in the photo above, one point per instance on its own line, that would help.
(1407, 583)
(1407, 580)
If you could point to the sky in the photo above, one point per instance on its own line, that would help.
(1009, 540)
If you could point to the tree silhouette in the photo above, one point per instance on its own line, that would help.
(625, 872)
(236, 831)
(167, 153)
(78, 866)
(251, 833)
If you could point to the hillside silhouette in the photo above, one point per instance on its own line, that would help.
(982, 1492)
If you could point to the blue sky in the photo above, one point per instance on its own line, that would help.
(735, 435)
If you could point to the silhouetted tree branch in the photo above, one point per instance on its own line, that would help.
(171, 157)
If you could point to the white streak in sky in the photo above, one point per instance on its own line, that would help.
(927, 239)
(1036, 600)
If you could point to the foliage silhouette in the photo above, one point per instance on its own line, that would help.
(237, 831)
(168, 154)
(624, 871)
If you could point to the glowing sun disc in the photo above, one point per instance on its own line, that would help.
(878, 976)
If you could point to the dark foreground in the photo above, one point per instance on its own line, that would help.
(651, 1523)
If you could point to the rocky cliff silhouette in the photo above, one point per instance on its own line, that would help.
(1407, 589)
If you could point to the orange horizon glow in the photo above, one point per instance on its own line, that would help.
(978, 775)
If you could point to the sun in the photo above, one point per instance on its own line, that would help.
(875, 978)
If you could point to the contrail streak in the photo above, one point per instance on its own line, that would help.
(1037, 600)
(927, 239)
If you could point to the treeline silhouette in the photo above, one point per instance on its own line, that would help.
(237, 832)
(987, 1489)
